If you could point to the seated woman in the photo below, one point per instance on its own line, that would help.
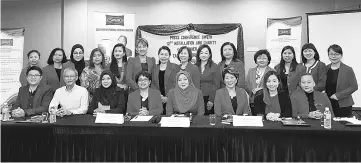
(33, 98)
(108, 98)
(231, 99)
(273, 99)
(185, 97)
(145, 100)
(307, 102)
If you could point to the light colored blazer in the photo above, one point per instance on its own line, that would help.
(133, 67)
(346, 85)
(155, 106)
(223, 104)
(239, 65)
(51, 78)
(168, 77)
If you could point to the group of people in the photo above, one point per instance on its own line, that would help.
(140, 86)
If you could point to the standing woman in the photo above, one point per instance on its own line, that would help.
(139, 63)
(255, 75)
(231, 100)
(340, 84)
(77, 57)
(33, 57)
(145, 100)
(229, 58)
(185, 56)
(313, 65)
(210, 77)
(108, 97)
(118, 65)
(185, 97)
(53, 72)
(289, 70)
(273, 99)
(90, 77)
(163, 74)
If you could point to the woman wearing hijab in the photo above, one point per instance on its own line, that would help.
(145, 100)
(108, 97)
(185, 97)
(231, 99)
(77, 57)
(33, 57)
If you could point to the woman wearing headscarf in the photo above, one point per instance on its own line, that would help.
(185, 97)
(108, 98)
(231, 99)
(77, 57)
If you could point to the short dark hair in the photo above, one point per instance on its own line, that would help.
(114, 63)
(336, 48)
(306, 74)
(235, 53)
(267, 75)
(200, 48)
(164, 48)
(52, 53)
(259, 53)
(230, 70)
(189, 50)
(143, 73)
(125, 38)
(142, 40)
(34, 68)
(309, 46)
(91, 62)
(33, 51)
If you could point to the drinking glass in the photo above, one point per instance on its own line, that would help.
(212, 119)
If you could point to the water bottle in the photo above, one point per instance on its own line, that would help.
(52, 116)
(5, 112)
(327, 120)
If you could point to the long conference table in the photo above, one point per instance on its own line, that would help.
(78, 138)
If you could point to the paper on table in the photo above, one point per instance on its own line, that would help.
(254, 121)
(354, 121)
(141, 118)
(109, 118)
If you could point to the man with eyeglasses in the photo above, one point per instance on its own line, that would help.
(33, 98)
(71, 98)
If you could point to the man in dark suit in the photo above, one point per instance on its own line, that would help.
(33, 98)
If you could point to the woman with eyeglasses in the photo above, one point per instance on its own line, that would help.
(145, 100)
(77, 57)
(340, 83)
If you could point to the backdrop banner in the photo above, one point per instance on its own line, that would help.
(192, 35)
(113, 28)
(11, 58)
(282, 32)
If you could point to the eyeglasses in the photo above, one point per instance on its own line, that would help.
(33, 76)
(71, 76)
(143, 80)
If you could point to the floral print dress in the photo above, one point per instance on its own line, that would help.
(90, 79)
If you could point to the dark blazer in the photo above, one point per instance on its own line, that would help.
(42, 98)
(210, 81)
(155, 106)
(195, 74)
(284, 102)
(223, 104)
(117, 103)
(168, 77)
(319, 73)
(50, 76)
(300, 103)
(133, 67)
(239, 65)
(293, 77)
(22, 77)
(346, 85)
(172, 108)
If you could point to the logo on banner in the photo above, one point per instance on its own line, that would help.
(282, 32)
(7, 42)
(114, 20)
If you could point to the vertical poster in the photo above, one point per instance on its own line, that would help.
(192, 39)
(282, 32)
(113, 28)
(11, 58)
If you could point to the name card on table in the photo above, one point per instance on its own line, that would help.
(253, 121)
(142, 118)
(175, 122)
(109, 118)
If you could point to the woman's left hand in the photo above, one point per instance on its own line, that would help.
(143, 111)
